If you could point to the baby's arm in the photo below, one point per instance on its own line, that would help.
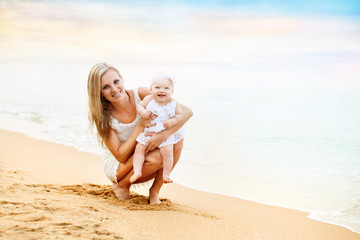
(177, 118)
(141, 107)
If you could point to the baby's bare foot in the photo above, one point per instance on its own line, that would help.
(167, 179)
(154, 197)
(121, 193)
(135, 177)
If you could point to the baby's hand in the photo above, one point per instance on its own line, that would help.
(168, 123)
(145, 114)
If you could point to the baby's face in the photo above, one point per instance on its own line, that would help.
(162, 90)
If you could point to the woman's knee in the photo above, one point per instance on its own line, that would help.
(154, 158)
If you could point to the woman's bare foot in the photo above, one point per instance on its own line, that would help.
(167, 179)
(121, 193)
(135, 177)
(154, 197)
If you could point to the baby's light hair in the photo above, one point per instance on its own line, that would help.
(169, 75)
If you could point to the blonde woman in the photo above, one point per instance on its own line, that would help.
(113, 112)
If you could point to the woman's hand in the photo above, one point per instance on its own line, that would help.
(155, 140)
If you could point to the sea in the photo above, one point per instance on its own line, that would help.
(274, 87)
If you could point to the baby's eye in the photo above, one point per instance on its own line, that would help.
(157, 88)
(166, 88)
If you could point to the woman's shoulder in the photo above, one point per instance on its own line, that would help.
(143, 92)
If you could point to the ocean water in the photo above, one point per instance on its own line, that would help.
(274, 88)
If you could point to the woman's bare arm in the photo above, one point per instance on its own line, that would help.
(122, 150)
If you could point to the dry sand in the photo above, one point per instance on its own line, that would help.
(49, 191)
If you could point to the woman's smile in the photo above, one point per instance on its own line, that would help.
(116, 94)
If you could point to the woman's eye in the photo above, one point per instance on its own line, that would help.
(116, 81)
(105, 87)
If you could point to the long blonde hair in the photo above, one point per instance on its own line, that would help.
(99, 112)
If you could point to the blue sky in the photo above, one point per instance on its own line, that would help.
(351, 7)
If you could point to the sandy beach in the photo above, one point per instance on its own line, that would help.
(50, 191)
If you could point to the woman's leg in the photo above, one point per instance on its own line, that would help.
(121, 189)
(167, 156)
(155, 188)
(152, 164)
(125, 171)
(139, 158)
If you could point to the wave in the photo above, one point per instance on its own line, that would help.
(348, 217)
(69, 129)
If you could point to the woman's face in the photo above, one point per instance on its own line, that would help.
(112, 86)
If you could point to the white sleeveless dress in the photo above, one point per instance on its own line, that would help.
(124, 131)
(163, 113)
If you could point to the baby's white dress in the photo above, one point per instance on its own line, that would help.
(163, 113)
(124, 131)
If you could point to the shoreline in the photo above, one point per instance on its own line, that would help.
(309, 213)
(50, 172)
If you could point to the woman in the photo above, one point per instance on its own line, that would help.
(113, 112)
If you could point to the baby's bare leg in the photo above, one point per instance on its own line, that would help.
(138, 162)
(167, 156)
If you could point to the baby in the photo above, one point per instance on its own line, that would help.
(168, 113)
